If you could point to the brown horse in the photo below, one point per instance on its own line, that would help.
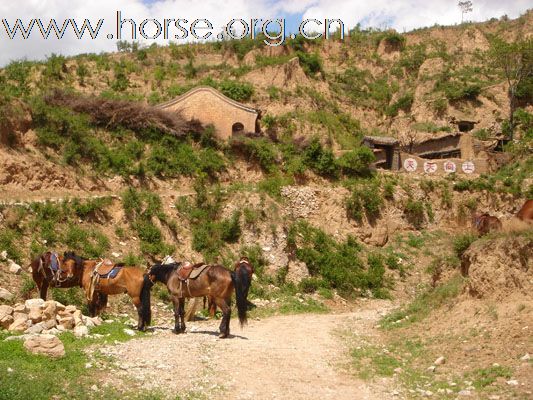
(526, 212)
(245, 270)
(49, 270)
(485, 223)
(101, 278)
(214, 281)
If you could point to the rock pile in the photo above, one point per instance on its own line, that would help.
(37, 316)
(12, 266)
(302, 200)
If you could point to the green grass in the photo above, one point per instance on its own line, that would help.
(424, 304)
(39, 377)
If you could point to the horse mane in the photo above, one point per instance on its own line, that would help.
(162, 270)
(70, 255)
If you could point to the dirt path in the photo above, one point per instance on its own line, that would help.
(285, 357)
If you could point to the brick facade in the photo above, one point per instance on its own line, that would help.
(209, 106)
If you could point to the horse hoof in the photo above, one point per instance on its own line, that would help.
(223, 336)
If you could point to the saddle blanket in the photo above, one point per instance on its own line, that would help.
(54, 262)
(112, 273)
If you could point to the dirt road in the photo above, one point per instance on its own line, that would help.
(284, 357)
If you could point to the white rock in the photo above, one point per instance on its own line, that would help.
(3, 255)
(19, 325)
(5, 295)
(48, 345)
(29, 304)
(129, 332)
(432, 368)
(115, 254)
(35, 329)
(525, 357)
(9, 369)
(512, 382)
(439, 361)
(465, 393)
(14, 268)
(80, 331)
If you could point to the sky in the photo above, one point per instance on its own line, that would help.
(401, 15)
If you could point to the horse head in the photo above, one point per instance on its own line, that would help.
(71, 265)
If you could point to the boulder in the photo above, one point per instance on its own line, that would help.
(6, 321)
(19, 325)
(19, 308)
(3, 255)
(14, 268)
(20, 315)
(35, 329)
(70, 309)
(49, 323)
(48, 345)
(67, 322)
(35, 314)
(50, 310)
(29, 304)
(5, 310)
(80, 331)
(5, 295)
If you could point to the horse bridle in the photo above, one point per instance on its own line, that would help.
(56, 276)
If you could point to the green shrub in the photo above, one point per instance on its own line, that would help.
(230, 229)
(394, 39)
(311, 63)
(259, 150)
(462, 242)
(364, 199)
(321, 160)
(8, 242)
(356, 162)
(90, 242)
(89, 207)
(414, 211)
(238, 91)
(403, 103)
(311, 284)
(337, 264)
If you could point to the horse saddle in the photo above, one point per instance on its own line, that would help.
(107, 269)
(189, 271)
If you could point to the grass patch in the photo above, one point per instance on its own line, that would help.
(424, 304)
(38, 377)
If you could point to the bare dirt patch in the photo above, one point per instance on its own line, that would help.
(283, 357)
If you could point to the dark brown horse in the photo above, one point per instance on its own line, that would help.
(526, 212)
(215, 281)
(245, 270)
(49, 270)
(101, 278)
(485, 223)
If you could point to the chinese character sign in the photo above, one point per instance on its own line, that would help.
(430, 167)
(468, 167)
(410, 164)
(449, 167)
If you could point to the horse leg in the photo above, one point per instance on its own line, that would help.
(181, 310)
(225, 307)
(137, 303)
(177, 326)
(43, 289)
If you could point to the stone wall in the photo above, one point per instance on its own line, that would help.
(211, 107)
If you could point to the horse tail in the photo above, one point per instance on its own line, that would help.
(241, 281)
(146, 312)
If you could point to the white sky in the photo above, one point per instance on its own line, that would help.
(401, 15)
